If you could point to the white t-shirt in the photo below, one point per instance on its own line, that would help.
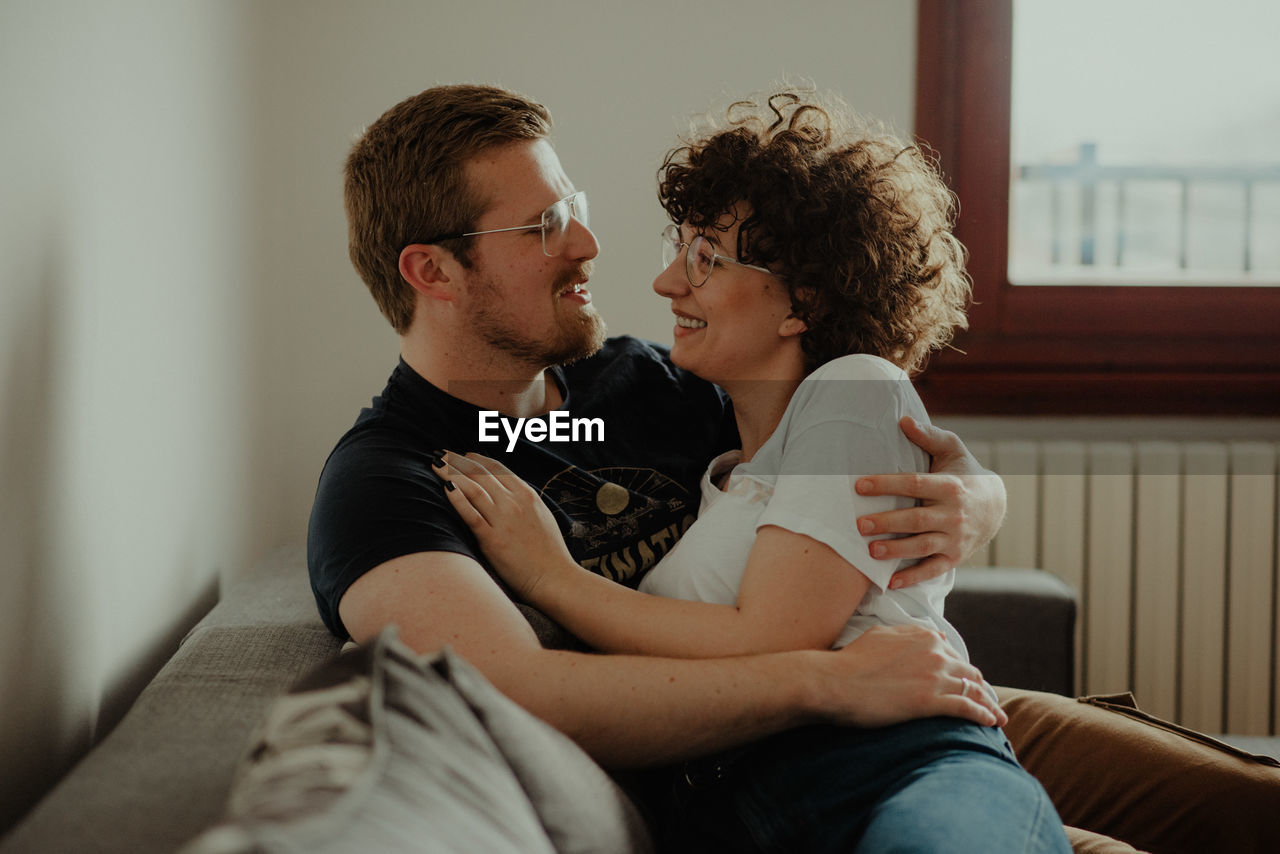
(841, 424)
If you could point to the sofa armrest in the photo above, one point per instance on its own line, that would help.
(1019, 625)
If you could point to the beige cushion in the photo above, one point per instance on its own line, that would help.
(381, 750)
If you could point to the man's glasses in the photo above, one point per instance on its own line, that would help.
(554, 224)
(701, 258)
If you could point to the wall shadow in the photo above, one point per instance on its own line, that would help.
(35, 746)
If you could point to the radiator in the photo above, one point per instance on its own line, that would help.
(1173, 547)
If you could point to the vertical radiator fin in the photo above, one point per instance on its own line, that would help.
(1204, 585)
(1157, 532)
(1250, 629)
(1018, 464)
(1062, 530)
(1108, 655)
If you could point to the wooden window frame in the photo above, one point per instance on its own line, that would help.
(1055, 349)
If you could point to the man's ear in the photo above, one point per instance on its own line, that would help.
(425, 267)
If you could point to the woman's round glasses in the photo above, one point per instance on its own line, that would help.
(554, 224)
(701, 257)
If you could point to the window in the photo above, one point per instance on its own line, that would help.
(1143, 242)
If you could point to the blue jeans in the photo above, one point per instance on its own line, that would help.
(937, 785)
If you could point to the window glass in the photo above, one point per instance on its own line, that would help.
(1145, 142)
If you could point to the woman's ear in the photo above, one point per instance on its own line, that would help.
(792, 325)
(426, 268)
(801, 301)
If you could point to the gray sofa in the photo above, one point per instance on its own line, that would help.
(163, 775)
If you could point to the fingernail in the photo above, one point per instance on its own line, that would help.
(895, 584)
(866, 526)
(448, 485)
(863, 486)
(877, 549)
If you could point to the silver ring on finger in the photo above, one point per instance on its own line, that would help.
(964, 687)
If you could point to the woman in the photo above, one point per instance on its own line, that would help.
(810, 267)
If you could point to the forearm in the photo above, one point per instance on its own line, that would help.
(629, 711)
(617, 619)
(636, 711)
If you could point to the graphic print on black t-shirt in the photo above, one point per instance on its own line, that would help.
(622, 502)
(621, 521)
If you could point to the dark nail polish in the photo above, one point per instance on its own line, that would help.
(448, 485)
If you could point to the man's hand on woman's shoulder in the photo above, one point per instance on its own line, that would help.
(962, 505)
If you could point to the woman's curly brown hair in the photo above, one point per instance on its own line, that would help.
(857, 223)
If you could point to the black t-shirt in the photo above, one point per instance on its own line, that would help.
(622, 501)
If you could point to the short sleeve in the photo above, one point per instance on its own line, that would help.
(844, 425)
(377, 500)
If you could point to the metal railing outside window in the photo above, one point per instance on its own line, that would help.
(1081, 222)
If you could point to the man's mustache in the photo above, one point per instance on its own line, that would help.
(580, 273)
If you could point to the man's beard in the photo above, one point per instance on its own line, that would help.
(575, 337)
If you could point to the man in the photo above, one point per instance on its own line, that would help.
(474, 244)
(472, 241)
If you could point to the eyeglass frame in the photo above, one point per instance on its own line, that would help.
(669, 235)
(572, 200)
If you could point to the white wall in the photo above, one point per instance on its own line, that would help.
(122, 357)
